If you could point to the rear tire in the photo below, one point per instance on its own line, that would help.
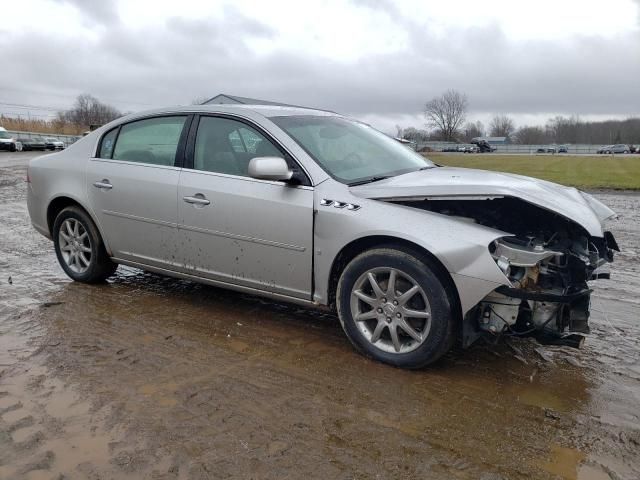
(79, 247)
(385, 290)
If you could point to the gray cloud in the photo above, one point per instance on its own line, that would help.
(193, 58)
(96, 11)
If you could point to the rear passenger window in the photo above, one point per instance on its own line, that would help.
(106, 147)
(153, 141)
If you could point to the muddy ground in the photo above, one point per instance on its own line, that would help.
(149, 377)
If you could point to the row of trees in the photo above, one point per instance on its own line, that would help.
(445, 120)
(86, 111)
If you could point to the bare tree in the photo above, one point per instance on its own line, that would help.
(415, 135)
(446, 113)
(501, 126)
(88, 110)
(531, 136)
(473, 130)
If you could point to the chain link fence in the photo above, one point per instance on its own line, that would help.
(576, 149)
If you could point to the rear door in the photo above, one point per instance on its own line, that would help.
(237, 229)
(132, 186)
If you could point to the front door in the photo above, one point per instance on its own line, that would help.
(133, 186)
(237, 229)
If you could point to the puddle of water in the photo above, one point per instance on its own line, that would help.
(587, 472)
(564, 462)
(78, 446)
(535, 396)
(65, 403)
(570, 464)
(12, 348)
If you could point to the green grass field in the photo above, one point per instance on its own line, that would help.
(587, 172)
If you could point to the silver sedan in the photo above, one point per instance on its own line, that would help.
(312, 207)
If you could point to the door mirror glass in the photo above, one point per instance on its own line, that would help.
(269, 168)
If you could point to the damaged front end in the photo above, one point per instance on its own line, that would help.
(548, 261)
(554, 242)
(549, 294)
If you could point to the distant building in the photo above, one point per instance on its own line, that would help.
(494, 140)
(223, 98)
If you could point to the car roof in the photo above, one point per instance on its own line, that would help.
(245, 110)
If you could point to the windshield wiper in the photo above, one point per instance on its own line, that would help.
(369, 180)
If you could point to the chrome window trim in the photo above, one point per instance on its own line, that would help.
(129, 162)
(242, 118)
(98, 146)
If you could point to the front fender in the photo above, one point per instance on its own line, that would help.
(461, 246)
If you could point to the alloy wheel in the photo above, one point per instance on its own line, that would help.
(75, 245)
(391, 310)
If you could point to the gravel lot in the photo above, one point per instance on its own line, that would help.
(150, 377)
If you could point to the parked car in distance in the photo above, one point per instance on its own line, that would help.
(482, 145)
(563, 149)
(620, 148)
(8, 141)
(53, 143)
(547, 149)
(33, 143)
(314, 208)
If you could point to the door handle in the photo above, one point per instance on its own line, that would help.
(103, 184)
(197, 199)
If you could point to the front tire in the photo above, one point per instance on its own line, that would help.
(394, 308)
(79, 247)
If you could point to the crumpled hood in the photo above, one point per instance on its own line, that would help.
(451, 182)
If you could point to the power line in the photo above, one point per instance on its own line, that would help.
(35, 92)
(26, 106)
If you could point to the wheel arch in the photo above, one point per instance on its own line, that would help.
(59, 203)
(357, 246)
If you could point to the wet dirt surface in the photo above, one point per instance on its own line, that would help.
(150, 377)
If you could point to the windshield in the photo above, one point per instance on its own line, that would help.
(350, 151)
(4, 134)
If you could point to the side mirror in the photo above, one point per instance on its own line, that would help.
(269, 168)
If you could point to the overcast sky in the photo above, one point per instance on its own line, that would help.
(377, 60)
